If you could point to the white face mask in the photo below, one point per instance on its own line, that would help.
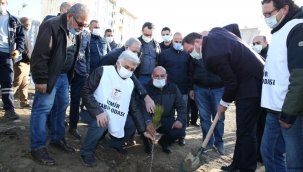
(124, 73)
(3, 9)
(96, 32)
(109, 39)
(272, 21)
(159, 83)
(146, 39)
(195, 54)
(257, 48)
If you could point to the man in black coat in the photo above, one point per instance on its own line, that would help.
(240, 69)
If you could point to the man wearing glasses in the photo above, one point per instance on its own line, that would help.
(282, 88)
(176, 62)
(52, 65)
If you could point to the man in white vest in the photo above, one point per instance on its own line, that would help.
(109, 104)
(282, 89)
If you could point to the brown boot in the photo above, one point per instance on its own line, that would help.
(41, 156)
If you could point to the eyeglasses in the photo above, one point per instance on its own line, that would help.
(80, 24)
(268, 14)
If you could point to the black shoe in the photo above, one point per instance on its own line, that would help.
(41, 156)
(259, 159)
(88, 160)
(181, 142)
(11, 114)
(147, 145)
(165, 147)
(120, 150)
(75, 133)
(232, 167)
(61, 144)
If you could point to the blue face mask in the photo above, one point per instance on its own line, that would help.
(73, 31)
(178, 46)
(166, 38)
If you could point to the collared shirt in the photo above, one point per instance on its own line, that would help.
(148, 58)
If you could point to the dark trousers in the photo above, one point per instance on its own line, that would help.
(192, 110)
(170, 135)
(6, 80)
(260, 130)
(76, 86)
(247, 114)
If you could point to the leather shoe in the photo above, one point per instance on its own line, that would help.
(61, 144)
(182, 142)
(165, 147)
(75, 133)
(41, 156)
(232, 167)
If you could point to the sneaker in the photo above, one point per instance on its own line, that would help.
(41, 156)
(220, 150)
(120, 150)
(11, 114)
(181, 142)
(27, 106)
(88, 160)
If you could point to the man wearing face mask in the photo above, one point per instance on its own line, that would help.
(108, 35)
(240, 68)
(64, 7)
(176, 62)
(282, 87)
(11, 47)
(167, 95)
(52, 66)
(99, 47)
(166, 37)
(150, 50)
(21, 68)
(260, 45)
(117, 112)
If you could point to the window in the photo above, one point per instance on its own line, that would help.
(52, 1)
(51, 11)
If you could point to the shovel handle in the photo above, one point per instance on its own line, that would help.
(210, 131)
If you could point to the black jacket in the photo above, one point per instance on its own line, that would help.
(170, 98)
(28, 49)
(111, 59)
(263, 52)
(240, 69)
(200, 77)
(49, 54)
(176, 64)
(93, 107)
(157, 50)
(165, 47)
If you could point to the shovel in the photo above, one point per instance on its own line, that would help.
(193, 161)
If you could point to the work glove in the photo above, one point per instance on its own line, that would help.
(15, 54)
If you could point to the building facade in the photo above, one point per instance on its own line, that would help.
(248, 34)
(108, 12)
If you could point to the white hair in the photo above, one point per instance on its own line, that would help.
(77, 9)
(129, 56)
(132, 41)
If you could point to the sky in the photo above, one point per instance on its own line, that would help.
(183, 16)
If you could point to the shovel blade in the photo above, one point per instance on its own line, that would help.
(192, 161)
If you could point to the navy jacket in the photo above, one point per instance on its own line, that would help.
(171, 100)
(83, 62)
(239, 67)
(98, 49)
(176, 64)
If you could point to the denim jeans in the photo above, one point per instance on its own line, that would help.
(207, 101)
(53, 104)
(76, 86)
(94, 133)
(276, 141)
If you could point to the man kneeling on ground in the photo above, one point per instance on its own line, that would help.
(169, 96)
(108, 96)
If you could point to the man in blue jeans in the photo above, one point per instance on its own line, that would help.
(282, 87)
(52, 65)
(108, 96)
(206, 89)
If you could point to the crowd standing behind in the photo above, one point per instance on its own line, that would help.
(119, 86)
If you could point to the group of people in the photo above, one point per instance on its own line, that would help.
(201, 73)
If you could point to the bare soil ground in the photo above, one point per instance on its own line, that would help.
(15, 150)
